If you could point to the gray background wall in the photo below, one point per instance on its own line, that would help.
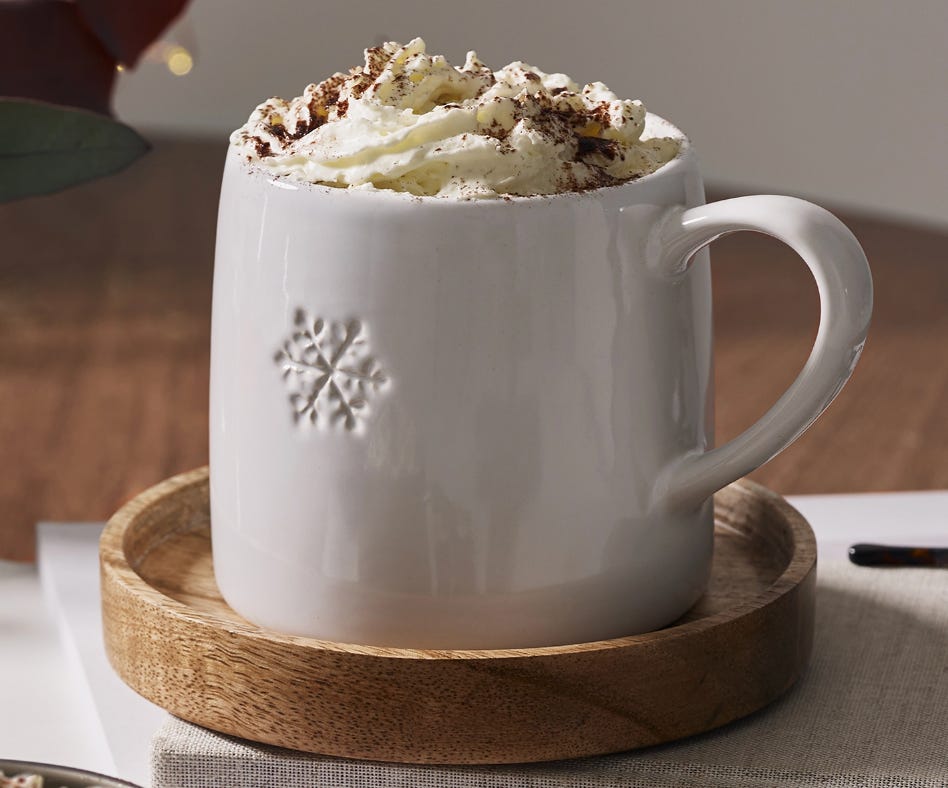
(841, 100)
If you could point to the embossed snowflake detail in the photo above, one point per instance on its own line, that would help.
(329, 371)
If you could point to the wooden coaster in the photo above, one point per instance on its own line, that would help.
(171, 637)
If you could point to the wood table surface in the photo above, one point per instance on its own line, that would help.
(105, 294)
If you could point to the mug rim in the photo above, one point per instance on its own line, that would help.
(656, 125)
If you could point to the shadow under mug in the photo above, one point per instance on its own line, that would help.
(439, 423)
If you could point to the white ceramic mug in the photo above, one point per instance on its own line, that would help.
(439, 423)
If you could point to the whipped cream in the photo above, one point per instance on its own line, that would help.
(411, 122)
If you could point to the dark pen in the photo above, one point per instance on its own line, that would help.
(890, 555)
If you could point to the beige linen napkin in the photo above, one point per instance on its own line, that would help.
(871, 711)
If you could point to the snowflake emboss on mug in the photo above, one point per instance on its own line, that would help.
(330, 372)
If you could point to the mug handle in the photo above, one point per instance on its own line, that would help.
(845, 287)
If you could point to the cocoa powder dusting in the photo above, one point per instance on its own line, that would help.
(588, 145)
(279, 131)
(375, 61)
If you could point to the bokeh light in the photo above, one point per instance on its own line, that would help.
(179, 61)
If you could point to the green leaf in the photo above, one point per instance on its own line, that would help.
(45, 147)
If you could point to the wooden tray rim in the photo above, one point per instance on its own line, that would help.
(113, 562)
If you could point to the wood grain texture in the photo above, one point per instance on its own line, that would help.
(172, 638)
(105, 295)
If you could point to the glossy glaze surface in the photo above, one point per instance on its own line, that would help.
(449, 424)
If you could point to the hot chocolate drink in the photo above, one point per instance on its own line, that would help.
(411, 122)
